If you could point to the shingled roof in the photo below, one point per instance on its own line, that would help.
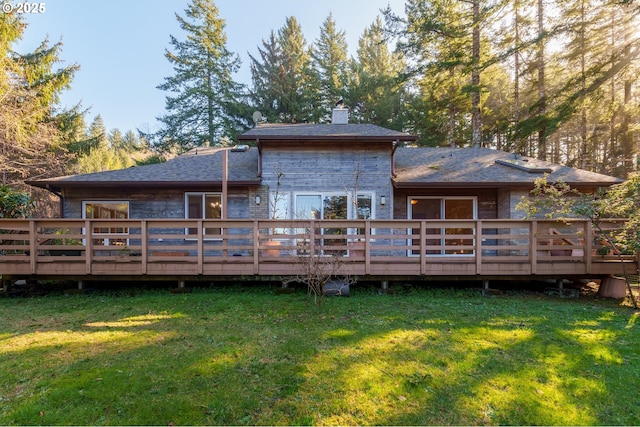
(414, 167)
(482, 167)
(202, 166)
(324, 132)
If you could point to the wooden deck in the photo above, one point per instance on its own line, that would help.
(377, 249)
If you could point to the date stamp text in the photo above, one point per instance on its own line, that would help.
(23, 7)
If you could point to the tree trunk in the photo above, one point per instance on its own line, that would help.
(476, 118)
(542, 101)
(516, 72)
(584, 152)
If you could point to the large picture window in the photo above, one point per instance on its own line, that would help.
(107, 210)
(203, 206)
(444, 208)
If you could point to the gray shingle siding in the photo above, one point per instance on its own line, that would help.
(326, 171)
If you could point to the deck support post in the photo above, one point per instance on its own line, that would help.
(181, 284)
(80, 284)
(5, 285)
(485, 287)
(384, 287)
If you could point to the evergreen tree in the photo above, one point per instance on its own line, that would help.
(97, 131)
(112, 150)
(205, 102)
(282, 78)
(267, 74)
(32, 126)
(376, 94)
(296, 75)
(435, 38)
(329, 62)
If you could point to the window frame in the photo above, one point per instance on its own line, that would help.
(442, 199)
(106, 240)
(351, 213)
(203, 194)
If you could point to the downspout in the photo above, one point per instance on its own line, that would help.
(259, 158)
(395, 145)
(61, 197)
(225, 178)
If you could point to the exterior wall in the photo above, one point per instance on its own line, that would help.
(514, 198)
(156, 203)
(330, 170)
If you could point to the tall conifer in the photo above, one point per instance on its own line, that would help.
(204, 102)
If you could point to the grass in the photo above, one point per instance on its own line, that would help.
(245, 356)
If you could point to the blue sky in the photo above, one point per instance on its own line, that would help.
(120, 44)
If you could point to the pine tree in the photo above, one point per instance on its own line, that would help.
(296, 76)
(329, 62)
(376, 94)
(266, 76)
(204, 105)
(436, 40)
(33, 137)
(283, 85)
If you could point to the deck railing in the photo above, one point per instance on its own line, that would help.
(172, 248)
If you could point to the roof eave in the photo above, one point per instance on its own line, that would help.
(511, 184)
(56, 186)
(326, 138)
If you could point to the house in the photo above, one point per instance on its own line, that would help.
(314, 188)
(294, 171)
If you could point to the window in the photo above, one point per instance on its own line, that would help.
(333, 206)
(278, 205)
(278, 209)
(203, 206)
(107, 210)
(444, 208)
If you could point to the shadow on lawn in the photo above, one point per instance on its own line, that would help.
(225, 358)
(489, 369)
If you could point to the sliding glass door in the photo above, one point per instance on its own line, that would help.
(456, 238)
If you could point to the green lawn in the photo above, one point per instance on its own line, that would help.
(245, 356)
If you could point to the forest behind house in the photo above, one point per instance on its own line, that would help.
(555, 80)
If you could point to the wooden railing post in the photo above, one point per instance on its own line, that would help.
(256, 247)
(33, 245)
(588, 246)
(367, 247)
(312, 238)
(533, 244)
(423, 247)
(88, 246)
(144, 245)
(478, 247)
(200, 246)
